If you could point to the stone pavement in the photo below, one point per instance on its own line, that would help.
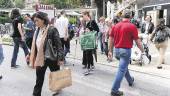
(151, 69)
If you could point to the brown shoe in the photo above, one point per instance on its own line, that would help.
(159, 67)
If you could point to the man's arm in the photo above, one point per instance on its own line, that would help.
(139, 44)
(21, 31)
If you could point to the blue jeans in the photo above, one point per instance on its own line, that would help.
(18, 42)
(1, 54)
(123, 55)
(100, 37)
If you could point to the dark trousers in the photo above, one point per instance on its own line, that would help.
(40, 74)
(106, 48)
(18, 42)
(29, 42)
(88, 58)
(65, 45)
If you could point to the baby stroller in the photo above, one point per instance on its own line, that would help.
(137, 56)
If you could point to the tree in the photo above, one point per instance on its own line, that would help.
(60, 4)
(20, 3)
(6, 4)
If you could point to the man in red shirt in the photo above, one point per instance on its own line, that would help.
(122, 36)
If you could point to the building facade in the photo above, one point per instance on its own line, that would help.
(158, 9)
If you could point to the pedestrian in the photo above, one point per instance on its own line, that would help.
(123, 35)
(62, 26)
(147, 26)
(91, 25)
(160, 38)
(107, 29)
(45, 38)
(29, 27)
(101, 25)
(18, 36)
(1, 56)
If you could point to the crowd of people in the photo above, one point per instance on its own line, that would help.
(38, 38)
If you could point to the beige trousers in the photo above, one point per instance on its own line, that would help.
(161, 47)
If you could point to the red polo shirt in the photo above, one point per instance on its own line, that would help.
(123, 34)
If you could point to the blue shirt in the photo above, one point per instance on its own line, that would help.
(29, 28)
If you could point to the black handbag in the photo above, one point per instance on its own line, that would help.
(51, 52)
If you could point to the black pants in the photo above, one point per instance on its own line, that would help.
(88, 58)
(65, 45)
(106, 48)
(29, 42)
(40, 74)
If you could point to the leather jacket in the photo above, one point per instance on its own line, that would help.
(150, 29)
(53, 34)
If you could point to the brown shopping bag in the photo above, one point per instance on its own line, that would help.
(60, 79)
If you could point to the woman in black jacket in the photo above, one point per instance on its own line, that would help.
(91, 25)
(40, 57)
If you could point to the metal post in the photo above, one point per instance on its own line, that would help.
(104, 8)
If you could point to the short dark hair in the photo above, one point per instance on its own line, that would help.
(127, 13)
(15, 13)
(42, 16)
(150, 17)
(27, 14)
(62, 12)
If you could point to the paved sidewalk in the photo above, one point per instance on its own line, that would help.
(76, 53)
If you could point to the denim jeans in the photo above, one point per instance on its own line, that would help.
(123, 55)
(1, 54)
(100, 37)
(18, 42)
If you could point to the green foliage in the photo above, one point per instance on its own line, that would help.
(20, 4)
(4, 19)
(72, 20)
(6, 4)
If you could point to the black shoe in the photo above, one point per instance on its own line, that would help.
(159, 67)
(132, 82)
(119, 93)
(84, 67)
(0, 77)
(14, 66)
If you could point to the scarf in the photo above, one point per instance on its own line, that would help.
(37, 58)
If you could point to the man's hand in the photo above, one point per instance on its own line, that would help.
(110, 55)
(28, 57)
(61, 63)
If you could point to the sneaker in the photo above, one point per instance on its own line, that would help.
(87, 72)
(14, 66)
(132, 82)
(92, 68)
(0, 77)
(119, 93)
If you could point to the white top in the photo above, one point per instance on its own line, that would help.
(146, 28)
(101, 27)
(39, 38)
(61, 24)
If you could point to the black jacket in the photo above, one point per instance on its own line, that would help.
(150, 29)
(92, 26)
(53, 34)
